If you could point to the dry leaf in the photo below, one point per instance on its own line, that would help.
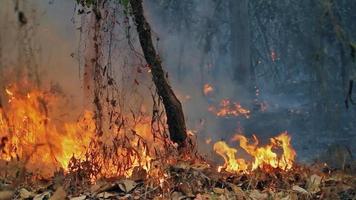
(59, 194)
(185, 188)
(239, 193)
(25, 194)
(6, 195)
(218, 191)
(126, 185)
(105, 195)
(177, 196)
(101, 187)
(202, 197)
(83, 197)
(299, 189)
(139, 174)
(257, 195)
(43, 196)
(314, 183)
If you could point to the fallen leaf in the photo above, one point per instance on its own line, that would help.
(82, 197)
(177, 196)
(101, 187)
(239, 193)
(6, 195)
(299, 189)
(185, 188)
(25, 194)
(218, 190)
(257, 195)
(126, 185)
(202, 197)
(59, 194)
(200, 166)
(138, 174)
(42, 196)
(314, 183)
(106, 195)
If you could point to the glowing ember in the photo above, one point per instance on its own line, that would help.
(208, 140)
(273, 56)
(227, 109)
(208, 89)
(264, 157)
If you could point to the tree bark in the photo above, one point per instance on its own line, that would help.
(173, 107)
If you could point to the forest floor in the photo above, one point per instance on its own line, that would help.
(194, 181)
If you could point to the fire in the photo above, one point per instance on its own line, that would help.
(229, 154)
(264, 156)
(29, 133)
(208, 89)
(227, 108)
(33, 136)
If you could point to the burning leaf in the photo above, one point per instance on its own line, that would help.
(264, 156)
(229, 109)
(208, 89)
(231, 163)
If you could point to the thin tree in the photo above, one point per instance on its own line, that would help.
(173, 107)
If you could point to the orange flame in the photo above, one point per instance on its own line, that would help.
(208, 89)
(227, 109)
(231, 163)
(28, 133)
(33, 136)
(264, 157)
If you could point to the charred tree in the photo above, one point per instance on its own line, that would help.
(173, 107)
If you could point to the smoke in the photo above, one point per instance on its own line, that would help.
(195, 50)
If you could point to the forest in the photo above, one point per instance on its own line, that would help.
(177, 99)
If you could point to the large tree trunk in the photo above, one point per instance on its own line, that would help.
(173, 107)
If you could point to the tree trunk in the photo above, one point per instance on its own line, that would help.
(173, 107)
(93, 71)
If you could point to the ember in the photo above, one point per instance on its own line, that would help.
(208, 89)
(228, 109)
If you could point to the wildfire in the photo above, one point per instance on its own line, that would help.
(264, 157)
(227, 108)
(28, 133)
(208, 89)
(31, 134)
(229, 154)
